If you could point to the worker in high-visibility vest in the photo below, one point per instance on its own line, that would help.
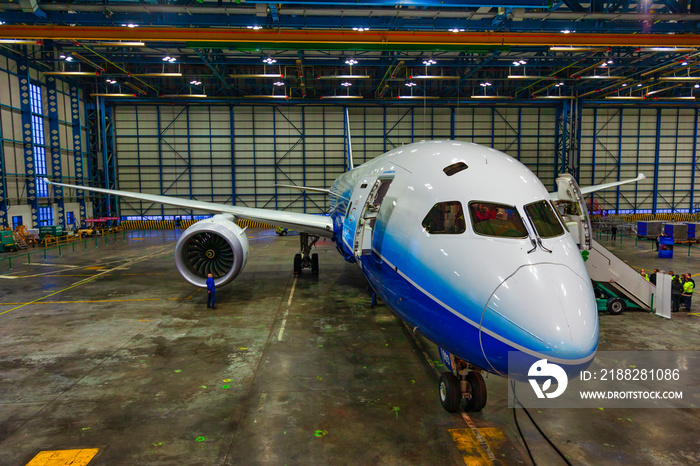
(645, 275)
(688, 287)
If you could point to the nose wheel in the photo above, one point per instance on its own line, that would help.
(466, 389)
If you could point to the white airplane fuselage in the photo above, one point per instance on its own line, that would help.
(478, 295)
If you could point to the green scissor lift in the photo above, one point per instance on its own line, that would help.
(7, 241)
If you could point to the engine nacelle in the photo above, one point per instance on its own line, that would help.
(215, 245)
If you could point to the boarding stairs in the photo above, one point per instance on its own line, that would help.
(604, 266)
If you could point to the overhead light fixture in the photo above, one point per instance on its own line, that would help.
(428, 76)
(624, 84)
(279, 83)
(111, 81)
(195, 82)
(555, 97)
(262, 75)
(344, 76)
(266, 96)
(667, 49)
(529, 76)
(361, 29)
(270, 60)
(602, 76)
(610, 62)
(566, 31)
(656, 91)
(2, 22)
(481, 96)
(410, 84)
(559, 48)
(351, 62)
(112, 95)
(69, 58)
(418, 97)
(254, 28)
(456, 30)
(20, 41)
(697, 86)
(120, 44)
(685, 63)
(341, 97)
(130, 25)
(71, 73)
(187, 96)
(687, 97)
(429, 62)
(346, 84)
(170, 59)
(625, 97)
(158, 75)
(485, 84)
(639, 85)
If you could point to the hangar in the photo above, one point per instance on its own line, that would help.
(110, 357)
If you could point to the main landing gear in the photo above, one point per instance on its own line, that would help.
(306, 260)
(467, 389)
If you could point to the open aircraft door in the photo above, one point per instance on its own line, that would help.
(575, 211)
(368, 217)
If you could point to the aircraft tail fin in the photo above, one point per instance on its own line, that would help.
(351, 165)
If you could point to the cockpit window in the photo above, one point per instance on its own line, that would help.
(544, 219)
(445, 218)
(500, 220)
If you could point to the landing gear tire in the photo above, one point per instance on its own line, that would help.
(297, 264)
(449, 392)
(314, 264)
(478, 390)
(616, 306)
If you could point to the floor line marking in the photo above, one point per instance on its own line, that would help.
(291, 294)
(82, 282)
(284, 324)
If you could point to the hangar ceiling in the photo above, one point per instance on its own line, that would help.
(636, 52)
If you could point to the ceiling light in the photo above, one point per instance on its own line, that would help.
(528, 76)
(430, 76)
(166, 58)
(195, 82)
(418, 97)
(2, 22)
(71, 73)
(625, 97)
(516, 63)
(112, 95)
(602, 76)
(351, 62)
(522, 62)
(610, 62)
(130, 25)
(346, 84)
(257, 75)
(624, 84)
(429, 62)
(486, 84)
(697, 86)
(456, 30)
(341, 97)
(158, 75)
(61, 56)
(270, 60)
(121, 44)
(344, 76)
(639, 85)
(171, 96)
(685, 63)
(667, 49)
(603, 65)
(558, 48)
(481, 96)
(69, 58)
(254, 28)
(361, 29)
(410, 84)
(279, 83)
(566, 31)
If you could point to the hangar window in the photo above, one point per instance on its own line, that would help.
(544, 219)
(501, 220)
(445, 218)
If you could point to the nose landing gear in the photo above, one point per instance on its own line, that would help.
(464, 388)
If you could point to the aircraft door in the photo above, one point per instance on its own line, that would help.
(568, 190)
(365, 227)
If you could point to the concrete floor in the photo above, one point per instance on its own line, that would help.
(109, 348)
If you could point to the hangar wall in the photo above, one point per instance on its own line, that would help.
(62, 116)
(220, 153)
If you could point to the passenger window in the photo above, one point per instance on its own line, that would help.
(544, 219)
(499, 220)
(445, 218)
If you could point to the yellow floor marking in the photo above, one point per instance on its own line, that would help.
(97, 267)
(694, 314)
(495, 437)
(79, 302)
(195, 291)
(469, 447)
(64, 457)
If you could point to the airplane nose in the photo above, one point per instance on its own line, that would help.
(542, 309)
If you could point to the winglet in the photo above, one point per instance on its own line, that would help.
(591, 189)
(351, 165)
(47, 181)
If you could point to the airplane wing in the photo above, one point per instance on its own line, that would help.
(599, 187)
(307, 223)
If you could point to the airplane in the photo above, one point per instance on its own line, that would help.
(460, 241)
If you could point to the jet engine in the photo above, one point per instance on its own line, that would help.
(214, 246)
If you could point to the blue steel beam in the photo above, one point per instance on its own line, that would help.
(55, 149)
(28, 141)
(3, 184)
(77, 146)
